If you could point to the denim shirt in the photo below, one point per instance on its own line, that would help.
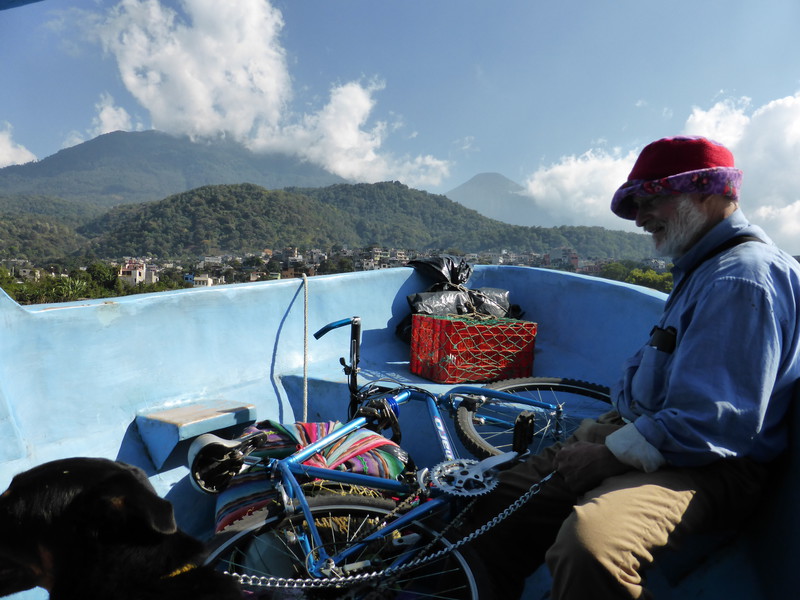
(724, 389)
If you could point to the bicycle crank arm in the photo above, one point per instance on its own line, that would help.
(493, 462)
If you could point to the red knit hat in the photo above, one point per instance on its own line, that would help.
(678, 165)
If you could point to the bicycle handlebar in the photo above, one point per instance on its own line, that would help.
(351, 370)
(336, 325)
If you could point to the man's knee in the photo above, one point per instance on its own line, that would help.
(575, 545)
(587, 555)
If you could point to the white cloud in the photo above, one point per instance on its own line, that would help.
(781, 223)
(765, 142)
(73, 138)
(12, 153)
(336, 138)
(108, 118)
(466, 144)
(220, 69)
(577, 190)
(725, 122)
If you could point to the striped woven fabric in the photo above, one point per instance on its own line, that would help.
(362, 451)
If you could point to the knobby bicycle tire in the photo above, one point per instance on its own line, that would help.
(486, 429)
(268, 548)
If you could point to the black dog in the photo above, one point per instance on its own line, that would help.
(89, 528)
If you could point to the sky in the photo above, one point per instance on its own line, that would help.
(557, 96)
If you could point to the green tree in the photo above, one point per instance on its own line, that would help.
(253, 262)
(6, 279)
(103, 274)
(616, 271)
(327, 267)
(649, 278)
(631, 272)
(345, 265)
(68, 289)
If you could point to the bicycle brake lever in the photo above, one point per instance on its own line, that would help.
(348, 369)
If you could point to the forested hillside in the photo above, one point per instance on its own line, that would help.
(62, 211)
(249, 218)
(239, 202)
(396, 215)
(217, 219)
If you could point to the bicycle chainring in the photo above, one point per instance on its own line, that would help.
(462, 477)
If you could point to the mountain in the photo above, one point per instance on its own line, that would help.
(497, 197)
(248, 218)
(132, 167)
(150, 193)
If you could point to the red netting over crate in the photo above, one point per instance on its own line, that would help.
(457, 349)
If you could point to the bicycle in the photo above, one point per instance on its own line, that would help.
(484, 420)
(353, 546)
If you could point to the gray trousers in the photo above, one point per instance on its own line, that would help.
(598, 544)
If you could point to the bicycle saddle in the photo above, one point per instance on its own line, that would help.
(214, 461)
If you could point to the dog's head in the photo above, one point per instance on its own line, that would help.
(59, 505)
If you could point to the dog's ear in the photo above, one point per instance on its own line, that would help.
(124, 504)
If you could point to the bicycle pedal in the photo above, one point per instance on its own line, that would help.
(523, 431)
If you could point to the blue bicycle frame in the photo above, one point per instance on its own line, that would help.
(287, 470)
(449, 398)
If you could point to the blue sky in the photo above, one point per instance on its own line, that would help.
(557, 96)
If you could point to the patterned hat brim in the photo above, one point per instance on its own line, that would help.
(716, 180)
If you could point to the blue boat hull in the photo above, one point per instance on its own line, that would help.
(135, 378)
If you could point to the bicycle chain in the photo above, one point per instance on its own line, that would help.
(351, 580)
(457, 521)
(412, 498)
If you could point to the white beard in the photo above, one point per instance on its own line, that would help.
(682, 231)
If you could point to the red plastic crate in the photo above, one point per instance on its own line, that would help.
(464, 349)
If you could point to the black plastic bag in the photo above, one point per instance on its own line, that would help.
(486, 301)
(450, 296)
(443, 269)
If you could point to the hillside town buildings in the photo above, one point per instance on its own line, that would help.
(294, 262)
(135, 272)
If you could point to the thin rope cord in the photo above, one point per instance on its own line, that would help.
(305, 348)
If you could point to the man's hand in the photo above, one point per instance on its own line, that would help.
(583, 465)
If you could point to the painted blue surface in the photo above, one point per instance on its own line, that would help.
(75, 376)
(163, 429)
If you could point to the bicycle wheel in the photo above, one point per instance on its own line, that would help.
(272, 549)
(486, 429)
